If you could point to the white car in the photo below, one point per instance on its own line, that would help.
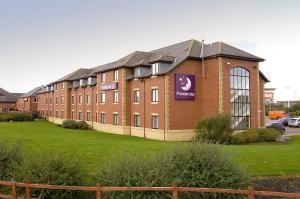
(294, 122)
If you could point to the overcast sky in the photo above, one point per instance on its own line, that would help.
(43, 40)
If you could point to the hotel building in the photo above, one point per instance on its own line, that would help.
(161, 94)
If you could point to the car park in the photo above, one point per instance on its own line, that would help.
(277, 125)
(294, 122)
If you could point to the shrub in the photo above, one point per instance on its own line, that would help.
(10, 158)
(192, 165)
(53, 169)
(82, 125)
(70, 124)
(16, 117)
(255, 136)
(215, 129)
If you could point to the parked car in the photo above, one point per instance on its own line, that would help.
(277, 125)
(285, 120)
(294, 122)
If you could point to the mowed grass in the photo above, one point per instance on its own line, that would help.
(95, 148)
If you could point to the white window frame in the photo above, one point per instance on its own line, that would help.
(80, 116)
(137, 71)
(88, 116)
(155, 68)
(115, 96)
(116, 75)
(103, 97)
(102, 118)
(136, 120)
(80, 99)
(154, 124)
(115, 119)
(136, 96)
(154, 95)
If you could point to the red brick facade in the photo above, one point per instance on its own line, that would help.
(176, 119)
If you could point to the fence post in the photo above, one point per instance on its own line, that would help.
(175, 192)
(27, 191)
(250, 192)
(14, 191)
(98, 192)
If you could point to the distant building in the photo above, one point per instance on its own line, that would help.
(8, 100)
(269, 95)
(28, 102)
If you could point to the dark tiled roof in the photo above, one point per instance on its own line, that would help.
(173, 54)
(32, 93)
(80, 73)
(263, 77)
(6, 96)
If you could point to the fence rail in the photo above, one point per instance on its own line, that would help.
(99, 190)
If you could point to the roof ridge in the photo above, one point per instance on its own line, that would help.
(190, 47)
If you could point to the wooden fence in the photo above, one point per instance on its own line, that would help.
(99, 190)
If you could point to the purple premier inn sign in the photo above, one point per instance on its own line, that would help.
(111, 86)
(184, 87)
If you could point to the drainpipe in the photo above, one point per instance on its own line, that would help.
(130, 102)
(92, 104)
(164, 108)
(144, 108)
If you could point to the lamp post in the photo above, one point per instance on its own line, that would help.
(288, 101)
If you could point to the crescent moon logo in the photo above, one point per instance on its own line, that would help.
(188, 85)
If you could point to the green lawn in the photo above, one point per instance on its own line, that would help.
(94, 148)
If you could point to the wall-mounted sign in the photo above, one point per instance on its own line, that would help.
(111, 86)
(184, 87)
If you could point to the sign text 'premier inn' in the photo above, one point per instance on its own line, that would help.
(111, 86)
(184, 87)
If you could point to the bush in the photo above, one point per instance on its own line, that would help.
(215, 129)
(192, 165)
(82, 125)
(16, 117)
(10, 158)
(53, 169)
(71, 124)
(255, 136)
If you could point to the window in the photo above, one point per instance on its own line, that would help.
(136, 96)
(155, 121)
(56, 87)
(102, 77)
(240, 98)
(154, 95)
(46, 100)
(115, 119)
(73, 115)
(80, 115)
(50, 99)
(62, 99)
(96, 117)
(62, 85)
(96, 98)
(136, 120)
(137, 72)
(62, 114)
(115, 96)
(103, 118)
(116, 75)
(34, 99)
(80, 99)
(155, 68)
(73, 99)
(56, 100)
(56, 114)
(103, 97)
(88, 99)
(88, 116)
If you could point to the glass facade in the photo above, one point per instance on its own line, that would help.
(240, 98)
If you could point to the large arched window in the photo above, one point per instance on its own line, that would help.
(240, 100)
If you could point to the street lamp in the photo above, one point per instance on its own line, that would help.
(288, 101)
